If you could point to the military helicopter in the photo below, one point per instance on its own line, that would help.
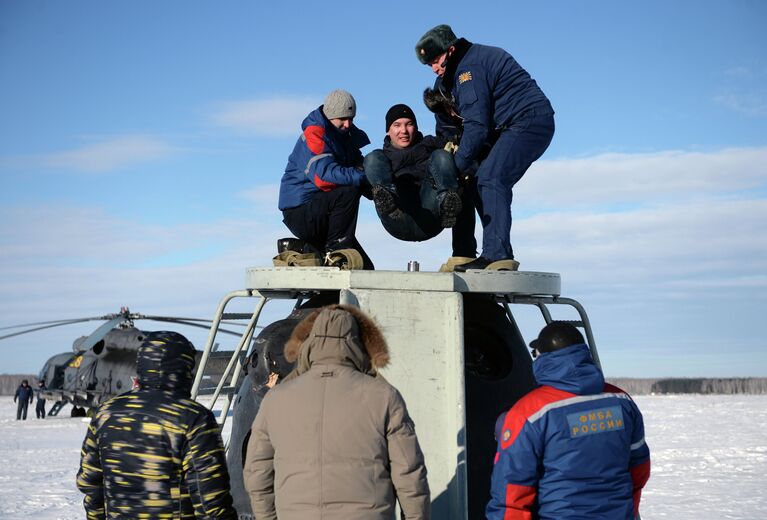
(102, 364)
(458, 357)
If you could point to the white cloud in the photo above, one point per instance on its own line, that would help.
(276, 116)
(265, 194)
(749, 104)
(111, 155)
(695, 241)
(612, 179)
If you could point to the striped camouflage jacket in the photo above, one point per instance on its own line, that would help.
(153, 452)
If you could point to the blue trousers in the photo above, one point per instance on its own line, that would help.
(517, 148)
(417, 216)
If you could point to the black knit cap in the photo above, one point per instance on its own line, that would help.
(398, 112)
(435, 42)
(556, 336)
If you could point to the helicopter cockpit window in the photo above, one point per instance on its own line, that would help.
(98, 347)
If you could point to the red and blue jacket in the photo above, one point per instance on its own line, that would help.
(322, 159)
(573, 448)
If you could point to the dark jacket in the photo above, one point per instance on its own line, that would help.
(412, 161)
(39, 391)
(335, 440)
(573, 448)
(490, 90)
(23, 394)
(153, 451)
(322, 159)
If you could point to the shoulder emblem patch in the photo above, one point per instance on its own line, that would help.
(506, 435)
(463, 77)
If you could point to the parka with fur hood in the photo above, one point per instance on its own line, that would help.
(335, 440)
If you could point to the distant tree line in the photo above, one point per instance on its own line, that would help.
(692, 385)
(10, 382)
(634, 386)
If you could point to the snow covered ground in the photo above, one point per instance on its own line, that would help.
(709, 460)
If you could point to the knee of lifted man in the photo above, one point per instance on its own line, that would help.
(442, 159)
(376, 159)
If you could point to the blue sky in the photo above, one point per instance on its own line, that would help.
(141, 145)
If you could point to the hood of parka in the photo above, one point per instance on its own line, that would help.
(165, 361)
(337, 334)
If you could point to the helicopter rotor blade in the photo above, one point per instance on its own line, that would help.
(114, 320)
(181, 321)
(56, 322)
(186, 320)
(100, 332)
(62, 323)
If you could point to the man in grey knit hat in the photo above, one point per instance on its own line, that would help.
(323, 180)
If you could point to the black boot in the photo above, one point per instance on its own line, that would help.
(477, 263)
(384, 200)
(289, 244)
(449, 208)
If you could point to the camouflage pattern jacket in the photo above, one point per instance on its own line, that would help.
(153, 452)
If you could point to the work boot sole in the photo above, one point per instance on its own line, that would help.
(449, 266)
(504, 265)
(383, 200)
(449, 209)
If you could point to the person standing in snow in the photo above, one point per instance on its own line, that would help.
(23, 398)
(153, 452)
(572, 448)
(40, 404)
(335, 440)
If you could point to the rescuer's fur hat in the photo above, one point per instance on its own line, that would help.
(435, 42)
(556, 336)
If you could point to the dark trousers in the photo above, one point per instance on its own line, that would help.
(417, 217)
(328, 221)
(517, 148)
(40, 409)
(21, 410)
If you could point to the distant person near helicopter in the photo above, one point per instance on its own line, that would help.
(23, 398)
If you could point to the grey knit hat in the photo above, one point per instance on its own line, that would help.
(435, 42)
(339, 104)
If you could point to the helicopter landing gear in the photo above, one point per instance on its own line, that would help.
(57, 406)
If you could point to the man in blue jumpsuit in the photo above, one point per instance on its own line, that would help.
(492, 93)
(572, 448)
